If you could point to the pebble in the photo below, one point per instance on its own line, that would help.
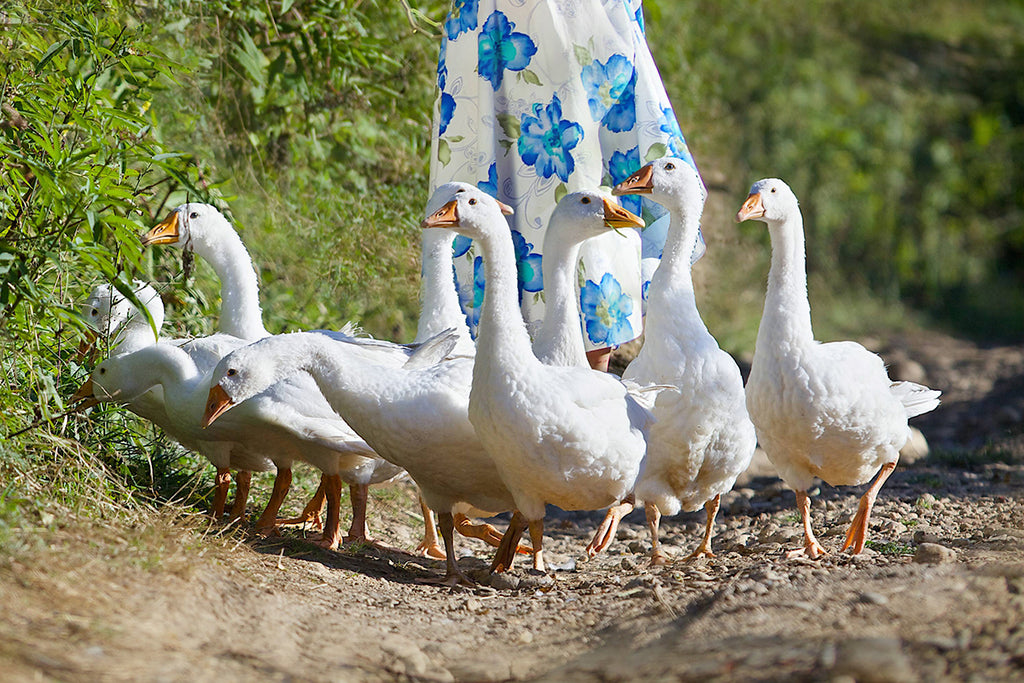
(872, 598)
(926, 536)
(933, 553)
(504, 582)
(873, 660)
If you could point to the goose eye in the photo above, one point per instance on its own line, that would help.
(103, 371)
(670, 166)
(232, 372)
(773, 189)
(472, 202)
(585, 200)
(94, 313)
(194, 214)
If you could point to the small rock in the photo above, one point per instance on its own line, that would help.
(536, 581)
(635, 547)
(873, 660)
(933, 553)
(627, 564)
(526, 637)
(872, 598)
(503, 582)
(907, 370)
(472, 605)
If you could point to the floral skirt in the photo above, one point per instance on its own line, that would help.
(539, 98)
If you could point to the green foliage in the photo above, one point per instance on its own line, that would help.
(899, 130)
(81, 171)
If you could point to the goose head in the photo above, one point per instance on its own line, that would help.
(186, 225)
(667, 180)
(770, 200)
(471, 212)
(589, 213)
(112, 380)
(251, 370)
(109, 313)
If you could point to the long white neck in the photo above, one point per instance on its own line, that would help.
(240, 314)
(137, 333)
(787, 312)
(672, 285)
(502, 336)
(163, 365)
(439, 301)
(559, 341)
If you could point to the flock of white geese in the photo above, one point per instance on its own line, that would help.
(506, 423)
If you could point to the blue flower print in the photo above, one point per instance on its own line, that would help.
(676, 142)
(490, 186)
(471, 296)
(531, 274)
(621, 165)
(462, 18)
(460, 245)
(611, 91)
(442, 64)
(547, 140)
(606, 311)
(499, 48)
(446, 113)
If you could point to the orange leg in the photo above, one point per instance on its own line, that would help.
(811, 547)
(704, 549)
(485, 532)
(332, 529)
(429, 547)
(453, 575)
(609, 525)
(220, 492)
(857, 535)
(266, 524)
(537, 541)
(658, 556)
(359, 494)
(243, 481)
(506, 553)
(311, 513)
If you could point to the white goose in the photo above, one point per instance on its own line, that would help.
(577, 217)
(107, 309)
(113, 316)
(415, 416)
(204, 230)
(821, 410)
(569, 436)
(279, 425)
(440, 312)
(702, 438)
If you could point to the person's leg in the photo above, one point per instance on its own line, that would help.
(599, 358)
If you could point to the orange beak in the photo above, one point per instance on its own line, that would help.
(165, 232)
(87, 347)
(641, 182)
(84, 394)
(618, 217)
(445, 217)
(217, 404)
(752, 208)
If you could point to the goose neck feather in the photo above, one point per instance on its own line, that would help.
(217, 242)
(787, 311)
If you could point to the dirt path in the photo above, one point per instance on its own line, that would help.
(937, 595)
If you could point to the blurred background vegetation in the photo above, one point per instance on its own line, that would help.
(900, 128)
